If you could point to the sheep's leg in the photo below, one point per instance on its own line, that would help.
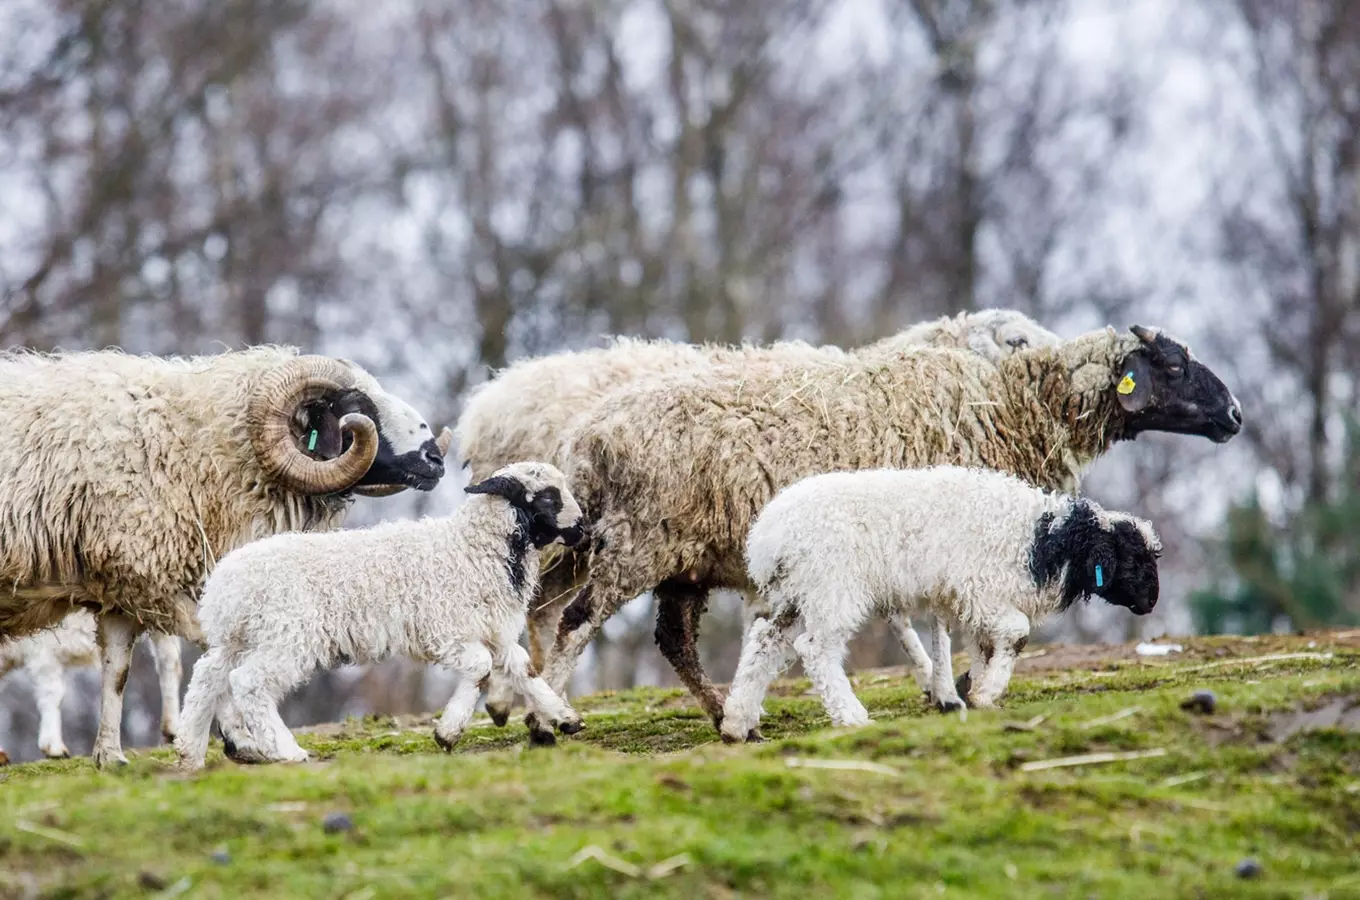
(580, 622)
(260, 679)
(1001, 643)
(976, 660)
(943, 693)
(165, 650)
(49, 688)
(115, 636)
(472, 662)
(921, 667)
(237, 742)
(208, 687)
(546, 705)
(680, 606)
(555, 591)
(765, 654)
(822, 648)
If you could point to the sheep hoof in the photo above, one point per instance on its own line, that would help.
(498, 716)
(109, 761)
(754, 736)
(570, 726)
(964, 685)
(446, 744)
(58, 752)
(729, 738)
(539, 737)
(169, 734)
(949, 706)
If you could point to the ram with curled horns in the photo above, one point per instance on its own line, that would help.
(124, 478)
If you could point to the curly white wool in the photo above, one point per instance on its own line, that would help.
(832, 550)
(46, 655)
(452, 591)
(530, 407)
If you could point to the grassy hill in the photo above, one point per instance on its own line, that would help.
(646, 802)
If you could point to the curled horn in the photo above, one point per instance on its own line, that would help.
(269, 421)
(1143, 333)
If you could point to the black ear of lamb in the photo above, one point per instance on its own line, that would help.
(500, 485)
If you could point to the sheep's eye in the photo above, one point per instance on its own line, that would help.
(1017, 342)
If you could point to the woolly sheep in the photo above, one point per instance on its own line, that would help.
(46, 655)
(123, 478)
(529, 407)
(973, 546)
(672, 473)
(452, 591)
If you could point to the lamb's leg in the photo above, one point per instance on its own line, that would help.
(765, 654)
(49, 688)
(822, 648)
(261, 678)
(165, 650)
(555, 591)
(115, 637)
(1001, 642)
(943, 693)
(976, 660)
(921, 667)
(472, 662)
(680, 606)
(514, 663)
(208, 686)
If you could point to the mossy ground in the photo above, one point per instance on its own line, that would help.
(942, 806)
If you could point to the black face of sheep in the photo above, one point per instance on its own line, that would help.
(1105, 555)
(1163, 388)
(540, 512)
(408, 454)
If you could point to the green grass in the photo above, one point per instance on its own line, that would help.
(953, 814)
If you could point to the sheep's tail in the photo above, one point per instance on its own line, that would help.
(207, 687)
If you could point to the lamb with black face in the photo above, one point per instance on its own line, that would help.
(1096, 553)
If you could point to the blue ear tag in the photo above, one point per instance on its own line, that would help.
(1100, 577)
(311, 441)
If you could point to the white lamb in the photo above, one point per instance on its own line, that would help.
(452, 591)
(973, 546)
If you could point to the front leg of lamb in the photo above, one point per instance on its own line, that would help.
(472, 662)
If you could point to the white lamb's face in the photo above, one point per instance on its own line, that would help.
(540, 492)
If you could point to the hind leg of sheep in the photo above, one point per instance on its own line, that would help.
(545, 703)
(259, 680)
(921, 667)
(165, 650)
(115, 637)
(472, 662)
(555, 592)
(943, 693)
(765, 654)
(679, 610)
(1001, 643)
(822, 648)
(49, 688)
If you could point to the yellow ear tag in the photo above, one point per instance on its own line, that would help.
(1126, 386)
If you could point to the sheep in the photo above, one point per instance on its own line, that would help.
(124, 478)
(974, 546)
(454, 591)
(45, 657)
(672, 472)
(525, 412)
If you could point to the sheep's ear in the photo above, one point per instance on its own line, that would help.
(320, 436)
(500, 485)
(1104, 562)
(1134, 387)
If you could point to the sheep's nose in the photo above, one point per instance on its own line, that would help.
(1235, 413)
(436, 461)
